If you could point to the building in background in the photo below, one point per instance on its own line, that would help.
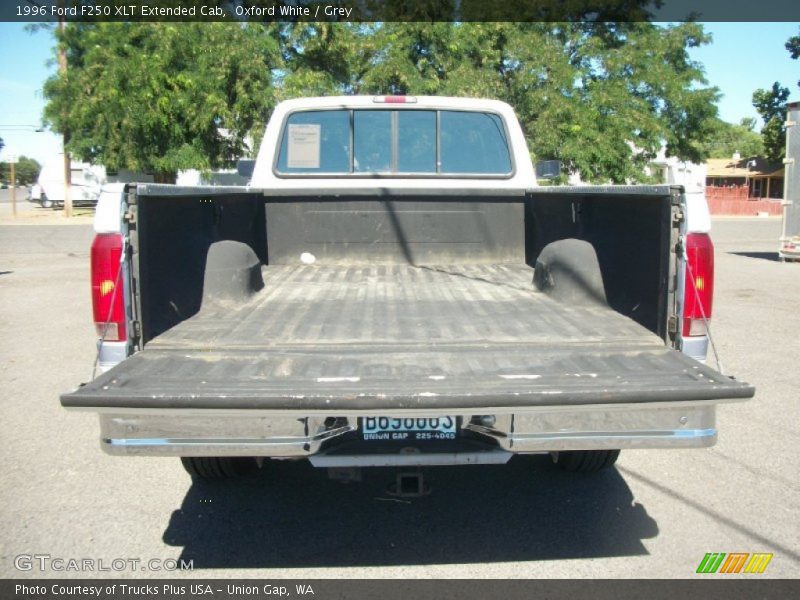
(750, 178)
(744, 186)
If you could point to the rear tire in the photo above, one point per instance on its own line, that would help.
(218, 467)
(585, 461)
(45, 201)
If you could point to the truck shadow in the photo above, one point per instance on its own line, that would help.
(292, 515)
(772, 256)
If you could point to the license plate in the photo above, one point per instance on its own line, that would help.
(409, 428)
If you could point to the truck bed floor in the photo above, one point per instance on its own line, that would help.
(319, 306)
(406, 337)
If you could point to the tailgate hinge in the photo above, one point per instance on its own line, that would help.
(136, 328)
(130, 215)
(672, 324)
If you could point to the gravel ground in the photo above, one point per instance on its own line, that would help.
(656, 515)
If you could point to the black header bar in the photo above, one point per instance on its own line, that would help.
(355, 11)
(732, 588)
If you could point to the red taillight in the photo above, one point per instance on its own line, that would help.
(699, 287)
(108, 300)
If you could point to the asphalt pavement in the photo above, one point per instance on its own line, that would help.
(21, 198)
(5, 193)
(655, 515)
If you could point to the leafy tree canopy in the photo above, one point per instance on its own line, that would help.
(26, 171)
(162, 96)
(601, 97)
(793, 46)
(725, 139)
(771, 105)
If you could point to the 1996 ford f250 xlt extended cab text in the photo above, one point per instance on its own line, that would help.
(393, 289)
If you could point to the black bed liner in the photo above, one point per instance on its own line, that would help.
(338, 338)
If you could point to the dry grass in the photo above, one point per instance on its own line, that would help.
(28, 214)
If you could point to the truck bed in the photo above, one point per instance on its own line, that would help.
(402, 337)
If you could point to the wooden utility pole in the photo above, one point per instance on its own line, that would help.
(14, 186)
(62, 69)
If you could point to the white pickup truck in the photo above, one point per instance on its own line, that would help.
(393, 288)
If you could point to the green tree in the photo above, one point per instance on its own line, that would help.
(321, 59)
(601, 97)
(725, 139)
(771, 105)
(26, 171)
(159, 97)
(793, 46)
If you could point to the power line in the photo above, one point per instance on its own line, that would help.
(35, 128)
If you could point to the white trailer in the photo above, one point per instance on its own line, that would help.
(86, 182)
(790, 233)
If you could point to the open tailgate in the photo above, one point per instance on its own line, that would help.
(374, 379)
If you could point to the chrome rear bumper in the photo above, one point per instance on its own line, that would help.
(176, 432)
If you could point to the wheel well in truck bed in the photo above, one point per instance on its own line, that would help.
(171, 246)
(631, 236)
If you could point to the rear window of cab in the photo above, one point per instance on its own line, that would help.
(386, 142)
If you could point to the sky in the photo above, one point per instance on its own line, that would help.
(741, 58)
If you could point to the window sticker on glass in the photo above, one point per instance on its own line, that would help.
(303, 146)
